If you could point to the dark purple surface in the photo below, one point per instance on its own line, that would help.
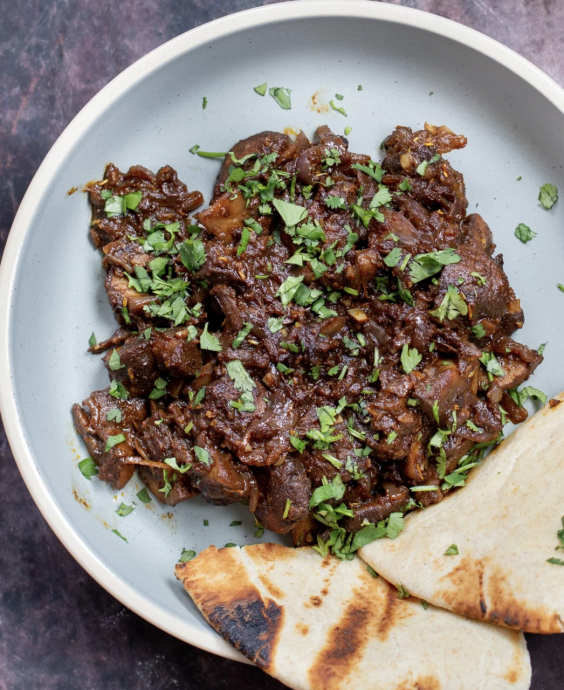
(58, 629)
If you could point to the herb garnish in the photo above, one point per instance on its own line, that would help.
(281, 96)
(524, 233)
(548, 195)
(88, 468)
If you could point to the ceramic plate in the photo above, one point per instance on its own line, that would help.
(413, 67)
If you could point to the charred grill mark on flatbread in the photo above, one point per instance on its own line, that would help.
(271, 587)
(390, 612)
(482, 592)
(372, 612)
(251, 626)
(343, 649)
(233, 605)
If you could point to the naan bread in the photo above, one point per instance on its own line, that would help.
(504, 523)
(325, 624)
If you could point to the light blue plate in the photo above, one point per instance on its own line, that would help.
(413, 68)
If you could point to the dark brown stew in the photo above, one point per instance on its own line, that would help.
(330, 341)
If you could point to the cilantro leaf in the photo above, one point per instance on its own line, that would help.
(243, 333)
(192, 254)
(299, 445)
(124, 510)
(410, 358)
(261, 89)
(88, 468)
(118, 534)
(393, 257)
(113, 441)
(381, 197)
(203, 455)
(452, 550)
(117, 390)
(548, 195)
(292, 214)
(289, 288)
(208, 341)
(241, 379)
(452, 306)
(274, 325)
(114, 415)
(490, 361)
(372, 169)
(186, 555)
(336, 202)
(143, 496)
(114, 362)
(281, 96)
(245, 236)
(524, 233)
(327, 491)
(426, 265)
(395, 525)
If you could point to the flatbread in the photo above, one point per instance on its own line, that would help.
(325, 624)
(504, 523)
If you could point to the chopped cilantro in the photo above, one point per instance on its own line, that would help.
(281, 96)
(548, 195)
(241, 379)
(261, 89)
(186, 556)
(524, 233)
(410, 358)
(112, 441)
(327, 491)
(478, 331)
(204, 103)
(337, 108)
(210, 154)
(203, 455)
(336, 202)
(393, 257)
(117, 390)
(292, 214)
(143, 496)
(124, 510)
(243, 333)
(208, 341)
(88, 468)
(286, 508)
(452, 550)
(118, 534)
(275, 325)
(490, 361)
(426, 265)
(159, 390)
(299, 445)
(451, 306)
(289, 288)
(403, 593)
(245, 236)
(371, 571)
(92, 340)
(114, 362)
(192, 254)
(114, 415)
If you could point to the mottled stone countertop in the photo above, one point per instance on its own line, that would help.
(59, 630)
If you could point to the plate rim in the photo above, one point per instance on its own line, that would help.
(108, 95)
